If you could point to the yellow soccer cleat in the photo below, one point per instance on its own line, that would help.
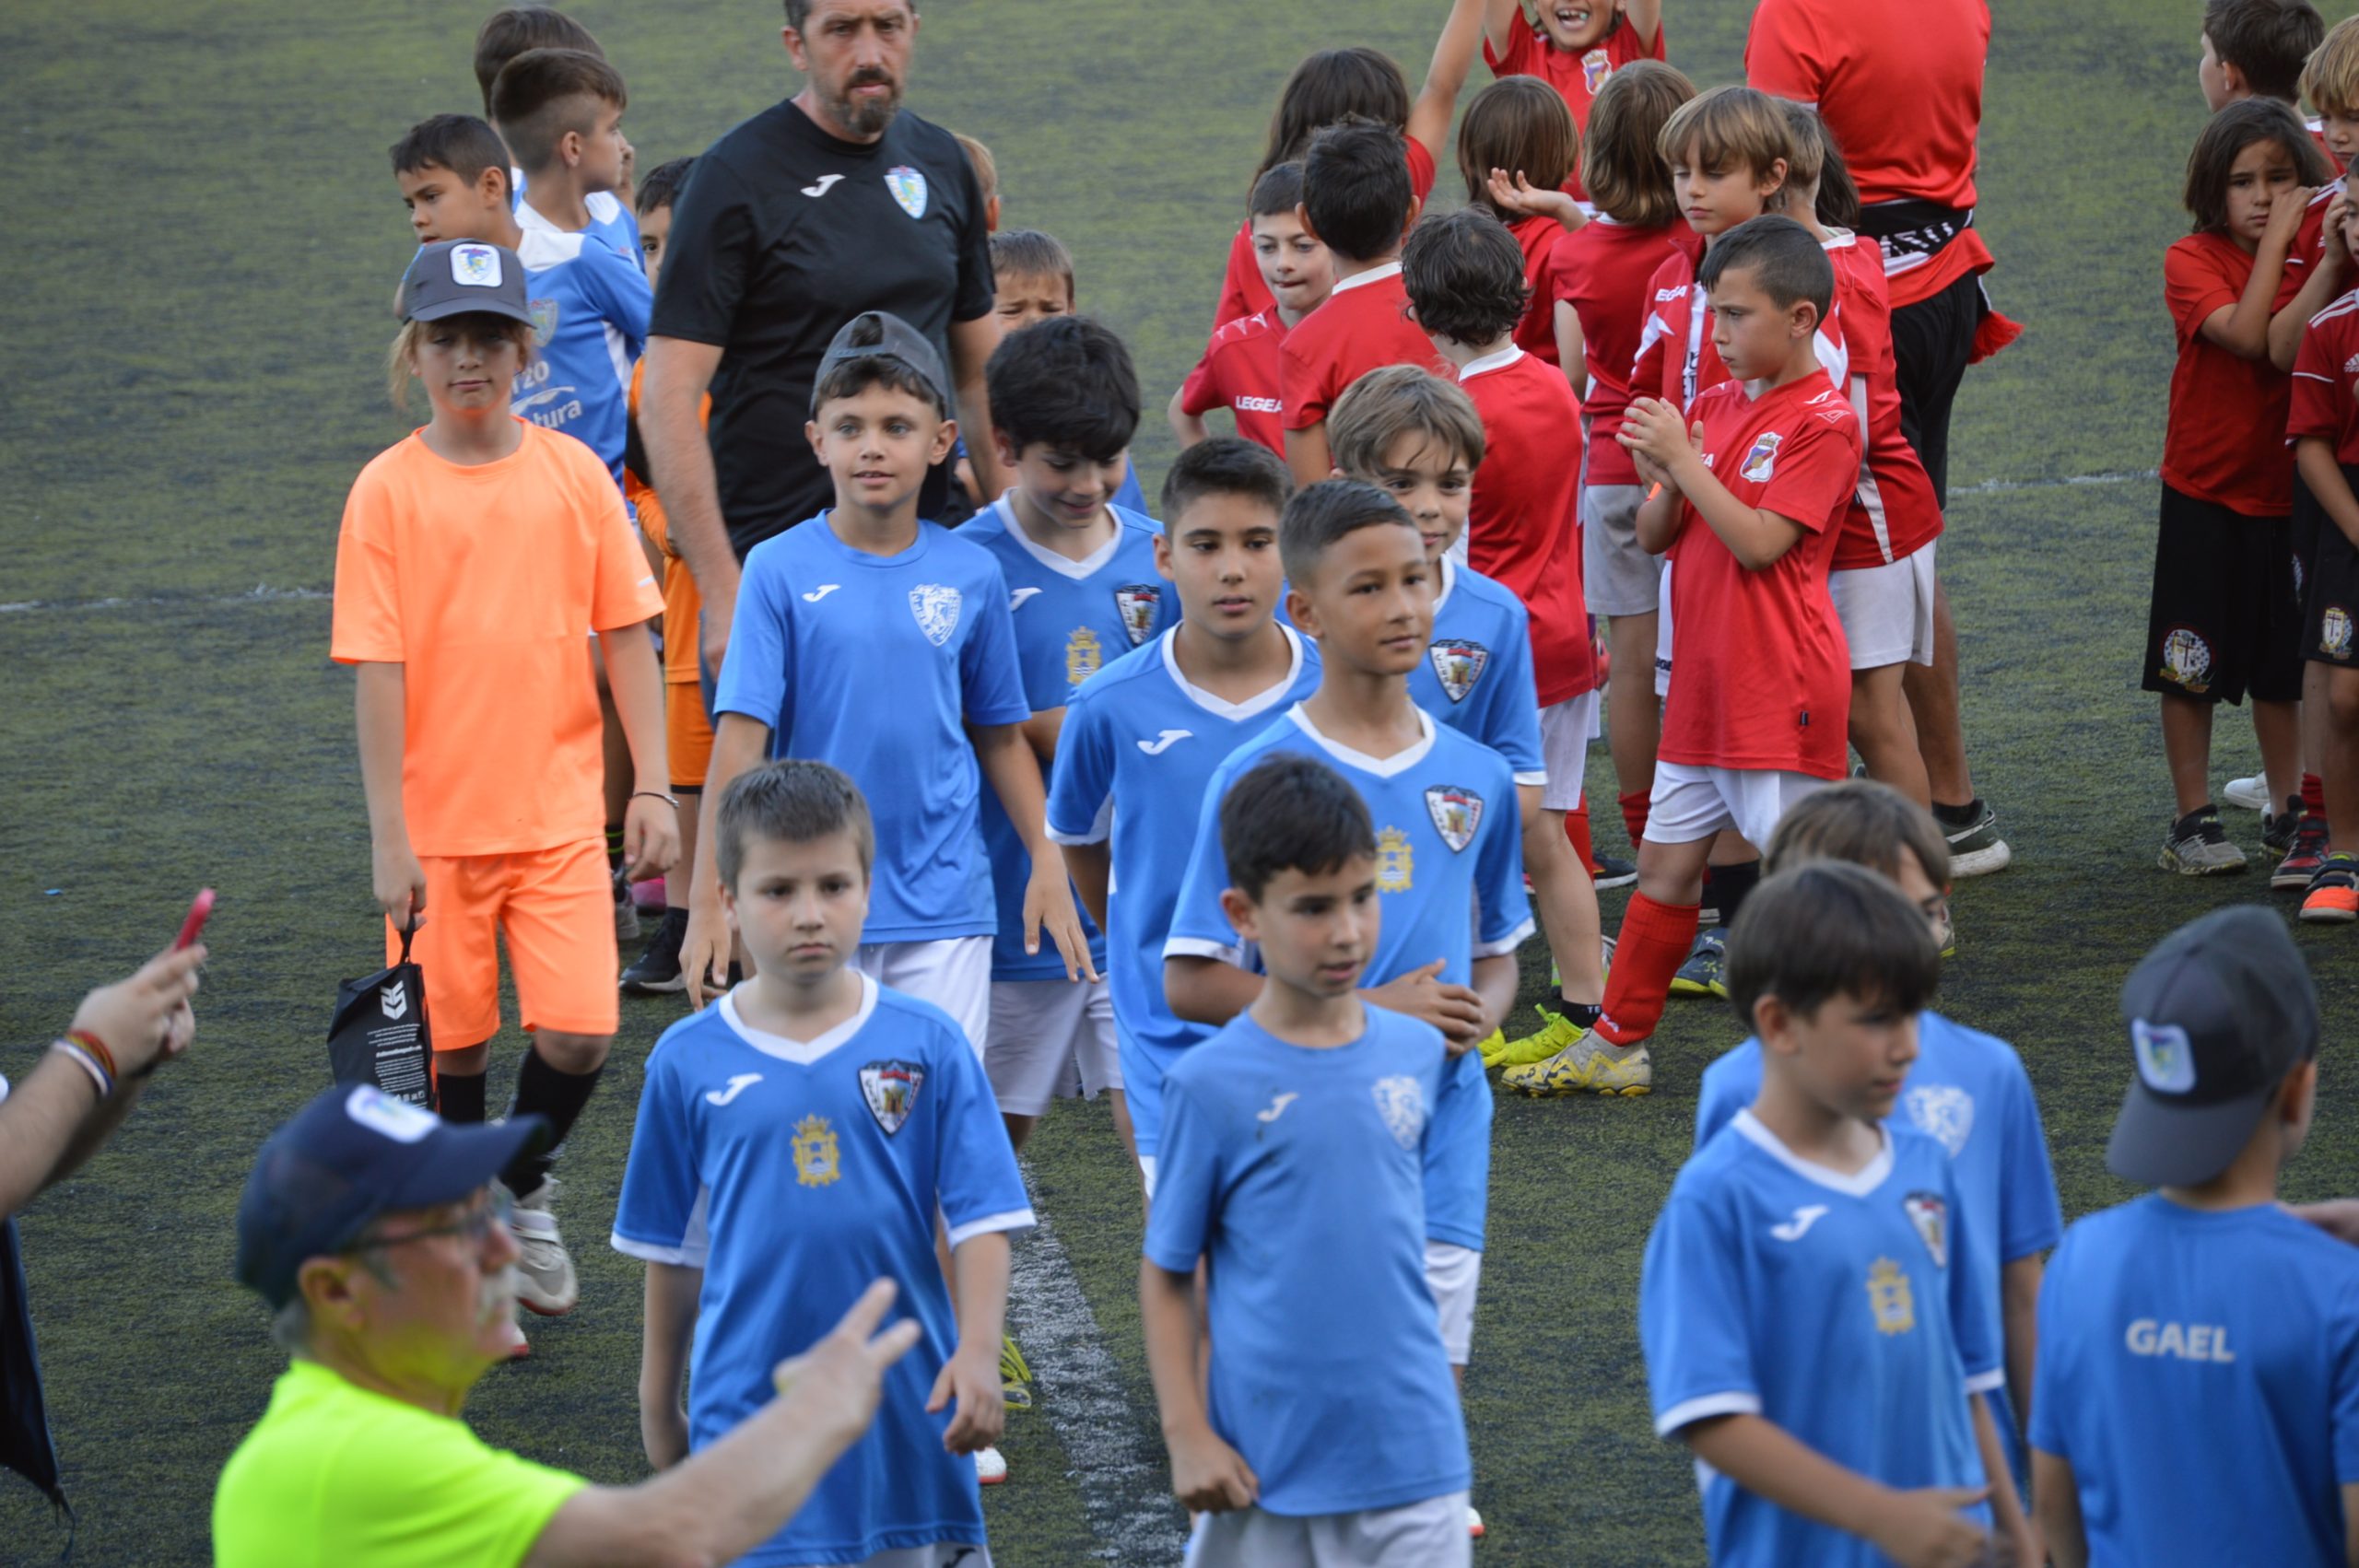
(1491, 1047)
(1587, 1066)
(1556, 1033)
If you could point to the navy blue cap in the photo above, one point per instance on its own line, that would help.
(880, 334)
(454, 277)
(348, 1158)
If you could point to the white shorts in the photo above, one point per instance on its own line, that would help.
(1662, 634)
(1689, 803)
(954, 972)
(1619, 577)
(1565, 730)
(1050, 1038)
(941, 1554)
(1451, 1273)
(1431, 1534)
(1887, 610)
(1147, 1174)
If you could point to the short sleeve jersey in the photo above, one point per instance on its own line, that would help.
(1578, 79)
(1898, 82)
(480, 582)
(612, 223)
(1138, 732)
(1675, 359)
(2325, 399)
(1239, 372)
(2224, 440)
(1360, 328)
(337, 1473)
(1478, 675)
(1299, 1173)
(1523, 520)
(794, 1173)
(1243, 290)
(2199, 1371)
(1837, 1308)
(2309, 243)
(1539, 238)
(590, 308)
(1605, 271)
(782, 235)
(1895, 512)
(1072, 619)
(821, 631)
(1760, 674)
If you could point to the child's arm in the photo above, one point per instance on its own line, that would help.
(2056, 1501)
(651, 823)
(1429, 117)
(738, 742)
(1207, 1475)
(1495, 984)
(970, 1377)
(1091, 867)
(1309, 455)
(1207, 990)
(2021, 1542)
(2314, 459)
(1189, 427)
(1644, 18)
(1921, 1529)
(1571, 352)
(2318, 289)
(1500, 19)
(1014, 774)
(2243, 328)
(2019, 1303)
(970, 348)
(1758, 539)
(1513, 192)
(379, 701)
(679, 459)
(671, 1294)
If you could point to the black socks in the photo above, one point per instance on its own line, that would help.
(1730, 885)
(543, 1091)
(461, 1097)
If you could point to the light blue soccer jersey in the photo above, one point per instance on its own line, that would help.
(590, 308)
(2199, 1371)
(612, 223)
(793, 1174)
(1836, 1306)
(1073, 618)
(1449, 874)
(1477, 677)
(1139, 730)
(1298, 1173)
(874, 663)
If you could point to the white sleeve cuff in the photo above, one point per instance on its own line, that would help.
(1984, 1382)
(1096, 833)
(1536, 779)
(1196, 947)
(1505, 945)
(683, 1256)
(1015, 1220)
(1688, 1412)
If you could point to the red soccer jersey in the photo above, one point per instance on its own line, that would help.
(1360, 328)
(1239, 372)
(1242, 292)
(2326, 380)
(1675, 358)
(1605, 271)
(1539, 238)
(1523, 522)
(1760, 674)
(1895, 512)
(2308, 249)
(1576, 78)
(2225, 443)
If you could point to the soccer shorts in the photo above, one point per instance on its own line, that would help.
(2225, 620)
(1430, 1534)
(2332, 597)
(954, 972)
(556, 910)
(1050, 1038)
(687, 735)
(1451, 1274)
(939, 1554)
(1619, 577)
(1689, 803)
(1887, 610)
(1663, 632)
(1565, 730)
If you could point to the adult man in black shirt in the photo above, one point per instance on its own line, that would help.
(829, 204)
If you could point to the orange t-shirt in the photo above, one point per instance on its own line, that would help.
(682, 603)
(481, 582)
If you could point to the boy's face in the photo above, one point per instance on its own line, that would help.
(602, 156)
(1298, 269)
(1369, 602)
(1850, 1057)
(1715, 202)
(654, 233)
(1315, 929)
(466, 367)
(1024, 298)
(2219, 87)
(2339, 125)
(2262, 176)
(443, 206)
(1221, 553)
(1066, 487)
(1756, 338)
(878, 443)
(1919, 889)
(1577, 24)
(799, 907)
(1435, 486)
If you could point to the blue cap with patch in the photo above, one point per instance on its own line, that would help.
(458, 277)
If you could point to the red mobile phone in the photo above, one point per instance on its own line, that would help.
(191, 928)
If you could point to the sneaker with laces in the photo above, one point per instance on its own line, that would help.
(1702, 973)
(1613, 870)
(2252, 794)
(1556, 1032)
(2333, 898)
(2198, 846)
(991, 1466)
(626, 912)
(546, 1282)
(2304, 858)
(1975, 848)
(2278, 828)
(657, 971)
(1014, 1374)
(1587, 1066)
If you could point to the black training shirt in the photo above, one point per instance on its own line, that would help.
(782, 235)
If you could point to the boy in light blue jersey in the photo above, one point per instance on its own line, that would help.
(1811, 1328)
(872, 640)
(1298, 1141)
(2197, 1397)
(1151, 727)
(1082, 591)
(1967, 1090)
(511, 31)
(796, 1141)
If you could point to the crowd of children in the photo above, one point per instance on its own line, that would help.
(1238, 813)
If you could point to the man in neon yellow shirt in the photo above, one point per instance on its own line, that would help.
(375, 1232)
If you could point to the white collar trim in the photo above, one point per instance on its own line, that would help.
(1500, 361)
(1858, 1184)
(1219, 706)
(1063, 566)
(1449, 579)
(1373, 274)
(1383, 768)
(802, 1053)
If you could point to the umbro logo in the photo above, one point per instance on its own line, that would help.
(826, 183)
(738, 1083)
(1015, 600)
(1798, 1226)
(820, 592)
(1164, 742)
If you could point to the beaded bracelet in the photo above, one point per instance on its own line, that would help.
(89, 1064)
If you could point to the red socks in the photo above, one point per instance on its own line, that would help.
(1634, 814)
(1576, 829)
(2313, 795)
(1655, 941)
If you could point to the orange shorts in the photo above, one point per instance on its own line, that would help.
(556, 908)
(687, 735)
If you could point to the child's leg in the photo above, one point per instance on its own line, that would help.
(458, 951)
(1658, 928)
(2278, 727)
(1100, 1059)
(1034, 1027)
(1568, 905)
(1934, 707)
(2187, 748)
(1633, 713)
(1884, 732)
(2339, 774)
(1888, 613)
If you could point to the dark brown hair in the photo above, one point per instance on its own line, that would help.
(1864, 821)
(1622, 162)
(506, 34)
(1326, 88)
(1521, 124)
(2268, 40)
(2222, 141)
(543, 93)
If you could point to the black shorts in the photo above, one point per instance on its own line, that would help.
(2226, 619)
(2330, 582)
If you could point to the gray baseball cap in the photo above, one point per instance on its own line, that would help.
(455, 277)
(2219, 1012)
(879, 334)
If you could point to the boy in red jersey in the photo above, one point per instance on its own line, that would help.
(2257, 48)
(1755, 480)
(1573, 45)
(1239, 369)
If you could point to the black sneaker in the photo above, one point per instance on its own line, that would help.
(656, 972)
(1613, 870)
(2279, 829)
(2198, 846)
(2304, 856)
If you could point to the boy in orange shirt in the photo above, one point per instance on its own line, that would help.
(472, 555)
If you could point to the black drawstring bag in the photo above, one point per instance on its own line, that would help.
(379, 1035)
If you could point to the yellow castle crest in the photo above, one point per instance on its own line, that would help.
(1394, 864)
(815, 1152)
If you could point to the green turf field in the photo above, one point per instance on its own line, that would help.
(191, 344)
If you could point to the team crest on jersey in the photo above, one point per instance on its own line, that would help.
(908, 186)
(2187, 660)
(2334, 632)
(1596, 65)
(1138, 602)
(1393, 861)
(1930, 1215)
(936, 608)
(475, 267)
(545, 314)
(1943, 1112)
(1890, 1298)
(1761, 461)
(1402, 1106)
(1456, 812)
(1458, 664)
(1083, 656)
(891, 1090)
(815, 1152)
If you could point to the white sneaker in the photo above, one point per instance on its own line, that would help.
(991, 1466)
(546, 1280)
(2250, 793)
(1473, 1523)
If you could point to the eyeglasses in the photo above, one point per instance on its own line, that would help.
(474, 1225)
